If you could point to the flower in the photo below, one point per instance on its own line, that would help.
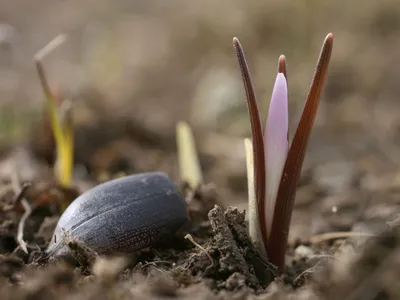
(276, 166)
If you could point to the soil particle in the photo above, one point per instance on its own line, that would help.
(231, 259)
(10, 266)
(222, 263)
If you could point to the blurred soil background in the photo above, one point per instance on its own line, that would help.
(133, 69)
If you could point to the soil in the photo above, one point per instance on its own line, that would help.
(219, 262)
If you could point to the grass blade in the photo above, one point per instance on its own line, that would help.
(189, 165)
(51, 105)
(62, 129)
(277, 243)
(65, 157)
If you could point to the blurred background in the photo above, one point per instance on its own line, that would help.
(132, 69)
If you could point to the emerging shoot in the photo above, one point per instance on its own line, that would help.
(277, 166)
(254, 225)
(60, 119)
(189, 165)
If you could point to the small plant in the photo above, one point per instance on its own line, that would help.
(60, 115)
(189, 165)
(274, 167)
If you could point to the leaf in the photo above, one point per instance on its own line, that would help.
(256, 131)
(277, 243)
(253, 215)
(66, 154)
(61, 125)
(189, 165)
(50, 102)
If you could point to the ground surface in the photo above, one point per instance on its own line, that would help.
(225, 265)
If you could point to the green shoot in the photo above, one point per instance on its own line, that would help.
(189, 165)
(61, 120)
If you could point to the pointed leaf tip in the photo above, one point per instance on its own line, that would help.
(189, 164)
(282, 65)
(329, 37)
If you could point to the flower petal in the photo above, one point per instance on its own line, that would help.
(276, 145)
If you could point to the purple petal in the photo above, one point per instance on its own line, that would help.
(276, 145)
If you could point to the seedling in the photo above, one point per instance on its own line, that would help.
(273, 166)
(189, 165)
(60, 118)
